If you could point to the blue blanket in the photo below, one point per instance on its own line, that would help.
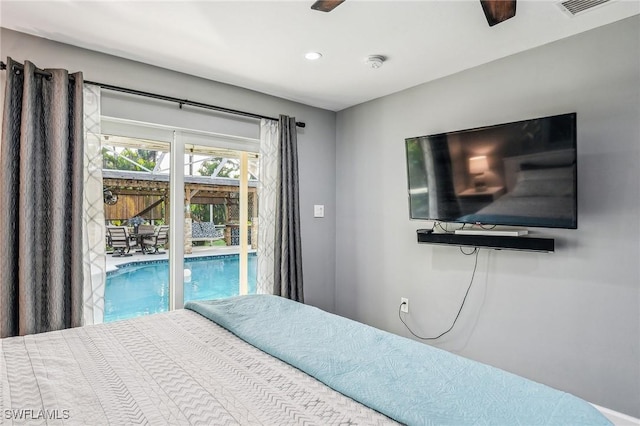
(411, 382)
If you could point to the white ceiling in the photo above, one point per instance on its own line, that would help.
(260, 44)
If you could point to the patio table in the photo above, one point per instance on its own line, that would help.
(138, 237)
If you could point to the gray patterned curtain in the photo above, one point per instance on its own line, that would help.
(41, 175)
(288, 246)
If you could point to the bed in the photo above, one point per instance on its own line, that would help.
(540, 191)
(260, 359)
(552, 212)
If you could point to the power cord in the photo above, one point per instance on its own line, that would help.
(475, 265)
(487, 227)
(446, 226)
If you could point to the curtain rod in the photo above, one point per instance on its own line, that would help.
(180, 102)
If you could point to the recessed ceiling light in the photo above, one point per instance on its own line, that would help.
(312, 56)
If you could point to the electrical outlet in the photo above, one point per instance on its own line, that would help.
(404, 302)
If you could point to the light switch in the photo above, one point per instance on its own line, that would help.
(318, 210)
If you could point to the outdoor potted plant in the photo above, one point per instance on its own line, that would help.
(136, 222)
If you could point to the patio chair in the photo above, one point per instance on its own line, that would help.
(118, 238)
(153, 243)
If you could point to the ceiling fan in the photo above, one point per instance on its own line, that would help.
(326, 5)
(496, 11)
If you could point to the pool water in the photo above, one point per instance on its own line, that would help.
(143, 288)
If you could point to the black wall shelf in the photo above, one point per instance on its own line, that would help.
(489, 241)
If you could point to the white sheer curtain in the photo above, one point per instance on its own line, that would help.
(267, 215)
(93, 224)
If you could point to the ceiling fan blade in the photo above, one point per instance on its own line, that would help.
(326, 5)
(497, 11)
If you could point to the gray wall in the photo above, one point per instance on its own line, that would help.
(316, 142)
(569, 319)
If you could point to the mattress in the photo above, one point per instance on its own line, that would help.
(408, 381)
(261, 360)
(527, 211)
(173, 368)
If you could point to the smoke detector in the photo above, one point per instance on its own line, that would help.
(375, 61)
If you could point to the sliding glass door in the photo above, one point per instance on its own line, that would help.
(220, 209)
(136, 188)
(191, 207)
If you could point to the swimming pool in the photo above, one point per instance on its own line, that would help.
(142, 288)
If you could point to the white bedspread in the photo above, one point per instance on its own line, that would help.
(172, 368)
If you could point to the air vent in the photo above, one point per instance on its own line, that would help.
(577, 7)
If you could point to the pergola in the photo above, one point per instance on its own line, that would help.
(147, 195)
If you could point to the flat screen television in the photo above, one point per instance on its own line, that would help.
(518, 174)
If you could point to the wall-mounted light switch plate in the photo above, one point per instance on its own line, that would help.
(318, 210)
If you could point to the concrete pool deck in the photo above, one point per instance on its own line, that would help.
(136, 256)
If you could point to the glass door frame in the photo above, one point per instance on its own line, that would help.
(178, 138)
